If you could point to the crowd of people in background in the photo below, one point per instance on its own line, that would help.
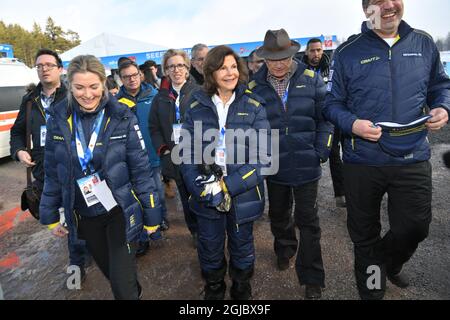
(118, 136)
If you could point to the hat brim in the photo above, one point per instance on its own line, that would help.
(279, 55)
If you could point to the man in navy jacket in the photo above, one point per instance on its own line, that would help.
(294, 98)
(388, 73)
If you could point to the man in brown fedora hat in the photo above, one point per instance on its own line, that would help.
(294, 97)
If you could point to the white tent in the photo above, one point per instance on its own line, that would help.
(105, 45)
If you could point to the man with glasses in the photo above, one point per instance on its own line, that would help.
(294, 99)
(48, 93)
(198, 55)
(138, 96)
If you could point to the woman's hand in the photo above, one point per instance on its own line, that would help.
(59, 231)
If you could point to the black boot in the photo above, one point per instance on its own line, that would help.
(241, 288)
(215, 286)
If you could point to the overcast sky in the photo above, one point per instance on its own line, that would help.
(178, 24)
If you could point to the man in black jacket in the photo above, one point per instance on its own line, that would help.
(319, 62)
(48, 93)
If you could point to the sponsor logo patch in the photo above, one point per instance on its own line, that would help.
(58, 138)
(412, 54)
(370, 60)
(118, 137)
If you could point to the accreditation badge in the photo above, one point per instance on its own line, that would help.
(86, 186)
(176, 133)
(43, 135)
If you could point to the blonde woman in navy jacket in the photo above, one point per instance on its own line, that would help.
(92, 134)
(225, 105)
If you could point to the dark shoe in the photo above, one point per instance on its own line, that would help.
(215, 290)
(401, 280)
(241, 290)
(340, 202)
(282, 263)
(313, 292)
(143, 248)
(140, 291)
(83, 274)
(164, 226)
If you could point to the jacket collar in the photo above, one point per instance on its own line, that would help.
(261, 76)
(60, 93)
(145, 91)
(62, 112)
(166, 87)
(203, 98)
(403, 30)
(324, 63)
(197, 76)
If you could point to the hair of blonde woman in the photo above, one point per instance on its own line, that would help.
(172, 53)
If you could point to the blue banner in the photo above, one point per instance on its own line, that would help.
(243, 49)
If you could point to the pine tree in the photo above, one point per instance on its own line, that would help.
(27, 43)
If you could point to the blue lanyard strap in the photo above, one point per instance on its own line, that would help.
(86, 153)
(285, 98)
(177, 110)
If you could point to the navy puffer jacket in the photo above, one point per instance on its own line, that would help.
(369, 80)
(305, 137)
(125, 167)
(245, 180)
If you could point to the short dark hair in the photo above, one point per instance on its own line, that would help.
(313, 40)
(150, 63)
(214, 61)
(111, 83)
(251, 55)
(49, 52)
(126, 64)
(122, 60)
(147, 65)
(365, 4)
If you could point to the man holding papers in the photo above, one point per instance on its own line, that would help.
(380, 82)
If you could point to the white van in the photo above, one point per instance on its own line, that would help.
(15, 76)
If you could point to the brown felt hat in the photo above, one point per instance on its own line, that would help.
(278, 46)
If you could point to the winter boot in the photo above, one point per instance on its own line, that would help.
(215, 286)
(241, 288)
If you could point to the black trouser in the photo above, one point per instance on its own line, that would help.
(106, 240)
(309, 265)
(336, 165)
(189, 216)
(409, 192)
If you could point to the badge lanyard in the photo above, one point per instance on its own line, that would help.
(86, 153)
(177, 110)
(222, 138)
(285, 98)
